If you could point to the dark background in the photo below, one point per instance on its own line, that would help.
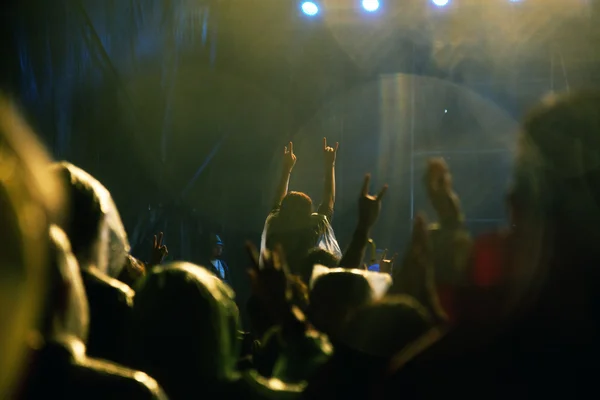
(182, 107)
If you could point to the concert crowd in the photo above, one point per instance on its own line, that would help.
(512, 313)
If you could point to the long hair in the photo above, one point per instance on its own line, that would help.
(296, 208)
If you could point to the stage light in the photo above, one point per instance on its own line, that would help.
(370, 5)
(310, 8)
(440, 3)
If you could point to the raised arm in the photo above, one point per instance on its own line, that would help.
(416, 277)
(368, 212)
(289, 160)
(329, 191)
(443, 198)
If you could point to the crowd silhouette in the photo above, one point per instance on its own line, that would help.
(509, 313)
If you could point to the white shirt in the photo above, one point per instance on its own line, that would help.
(219, 266)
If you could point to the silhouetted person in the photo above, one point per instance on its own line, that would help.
(100, 244)
(60, 369)
(31, 198)
(540, 342)
(292, 223)
(184, 332)
(215, 262)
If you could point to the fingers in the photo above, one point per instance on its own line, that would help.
(382, 192)
(291, 147)
(164, 250)
(330, 149)
(384, 254)
(155, 242)
(160, 239)
(285, 150)
(253, 253)
(365, 188)
(276, 257)
(253, 275)
(437, 168)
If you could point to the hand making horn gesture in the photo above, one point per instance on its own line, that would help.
(369, 206)
(330, 152)
(289, 158)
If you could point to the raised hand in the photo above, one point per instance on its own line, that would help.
(330, 153)
(416, 277)
(386, 265)
(369, 206)
(438, 181)
(270, 285)
(437, 178)
(417, 264)
(135, 269)
(289, 158)
(270, 282)
(159, 251)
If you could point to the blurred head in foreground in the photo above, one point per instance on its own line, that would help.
(555, 207)
(30, 199)
(184, 329)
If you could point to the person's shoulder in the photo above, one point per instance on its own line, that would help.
(103, 378)
(325, 210)
(275, 210)
(253, 386)
(100, 283)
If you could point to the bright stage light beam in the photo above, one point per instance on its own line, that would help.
(440, 3)
(370, 5)
(309, 8)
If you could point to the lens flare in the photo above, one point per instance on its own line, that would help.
(370, 5)
(310, 8)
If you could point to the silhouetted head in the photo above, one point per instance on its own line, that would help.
(335, 297)
(93, 224)
(217, 246)
(385, 327)
(296, 205)
(317, 256)
(556, 201)
(184, 329)
(30, 199)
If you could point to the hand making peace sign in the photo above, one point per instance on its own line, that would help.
(159, 250)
